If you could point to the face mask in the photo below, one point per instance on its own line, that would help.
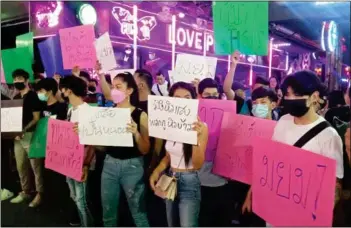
(117, 96)
(296, 107)
(42, 97)
(92, 89)
(260, 110)
(19, 85)
(128, 52)
(211, 97)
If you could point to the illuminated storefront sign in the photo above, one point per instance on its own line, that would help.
(329, 36)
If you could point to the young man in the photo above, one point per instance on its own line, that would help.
(264, 102)
(47, 90)
(301, 92)
(31, 115)
(161, 86)
(144, 81)
(215, 192)
(74, 89)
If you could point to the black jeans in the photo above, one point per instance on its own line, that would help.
(6, 172)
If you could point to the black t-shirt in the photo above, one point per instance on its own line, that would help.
(59, 109)
(342, 113)
(143, 105)
(31, 103)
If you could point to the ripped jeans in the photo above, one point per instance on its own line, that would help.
(127, 174)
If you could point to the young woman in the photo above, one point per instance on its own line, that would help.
(274, 85)
(184, 161)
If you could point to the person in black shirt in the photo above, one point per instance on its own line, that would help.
(31, 115)
(337, 108)
(47, 90)
(143, 78)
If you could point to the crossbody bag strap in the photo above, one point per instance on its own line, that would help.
(158, 88)
(311, 134)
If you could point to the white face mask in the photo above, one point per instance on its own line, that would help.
(128, 52)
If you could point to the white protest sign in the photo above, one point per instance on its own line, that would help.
(172, 118)
(105, 126)
(113, 73)
(105, 53)
(188, 67)
(11, 119)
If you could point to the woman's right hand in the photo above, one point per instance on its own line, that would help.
(75, 128)
(98, 67)
(247, 205)
(153, 180)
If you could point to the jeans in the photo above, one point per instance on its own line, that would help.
(25, 165)
(128, 174)
(184, 210)
(79, 196)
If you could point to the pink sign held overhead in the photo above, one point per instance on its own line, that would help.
(77, 46)
(211, 112)
(64, 154)
(234, 152)
(291, 186)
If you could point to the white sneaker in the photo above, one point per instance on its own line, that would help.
(6, 194)
(20, 198)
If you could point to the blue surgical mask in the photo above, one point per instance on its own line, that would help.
(42, 97)
(260, 110)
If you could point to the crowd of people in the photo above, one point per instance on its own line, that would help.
(126, 177)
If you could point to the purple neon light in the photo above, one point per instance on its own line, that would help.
(48, 16)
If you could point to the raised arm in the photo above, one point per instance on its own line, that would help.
(228, 81)
(105, 87)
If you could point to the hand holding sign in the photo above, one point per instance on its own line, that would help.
(105, 53)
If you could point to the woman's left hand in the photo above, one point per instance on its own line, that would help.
(199, 126)
(132, 128)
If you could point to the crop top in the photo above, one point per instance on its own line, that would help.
(175, 150)
(127, 152)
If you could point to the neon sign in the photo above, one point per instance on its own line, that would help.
(125, 19)
(49, 16)
(329, 36)
(190, 38)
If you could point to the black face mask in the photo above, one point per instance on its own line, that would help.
(296, 107)
(64, 98)
(19, 85)
(211, 97)
(92, 89)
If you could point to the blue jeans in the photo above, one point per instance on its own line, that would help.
(128, 174)
(184, 210)
(79, 196)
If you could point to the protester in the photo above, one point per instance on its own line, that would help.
(161, 86)
(215, 194)
(31, 115)
(184, 161)
(338, 110)
(274, 84)
(301, 91)
(264, 102)
(144, 81)
(74, 89)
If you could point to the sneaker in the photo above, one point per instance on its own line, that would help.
(20, 198)
(6, 194)
(36, 201)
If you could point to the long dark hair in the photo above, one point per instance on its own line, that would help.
(131, 84)
(277, 87)
(187, 148)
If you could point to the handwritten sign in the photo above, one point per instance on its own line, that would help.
(37, 147)
(211, 112)
(298, 185)
(188, 67)
(172, 118)
(234, 152)
(11, 119)
(105, 54)
(105, 127)
(241, 26)
(64, 154)
(77, 46)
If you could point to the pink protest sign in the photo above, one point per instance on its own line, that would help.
(211, 112)
(77, 46)
(64, 154)
(234, 152)
(292, 186)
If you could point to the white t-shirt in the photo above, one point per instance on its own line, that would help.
(327, 143)
(73, 114)
(163, 88)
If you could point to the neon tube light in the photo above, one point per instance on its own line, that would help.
(250, 75)
(135, 37)
(332, 36)
(174, 18)
(287, 62)
(322, 36)
(270, 58)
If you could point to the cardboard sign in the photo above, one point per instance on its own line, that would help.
(241, 26)
(234, 152)
(211, 112)
(26, 40)
(298, 185)
(77, 46)
(172, 118)
(37, 147)
(64, 154)
(189, 67)
(11, 119)
(105, 127)
(104, 52)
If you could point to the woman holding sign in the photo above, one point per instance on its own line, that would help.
(184, 161)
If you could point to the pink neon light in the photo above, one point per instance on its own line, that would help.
(49, 17)
(250, 75)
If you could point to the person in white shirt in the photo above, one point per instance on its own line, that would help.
(161, 86)
(301, 92)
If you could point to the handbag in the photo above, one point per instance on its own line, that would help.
(166, 187)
